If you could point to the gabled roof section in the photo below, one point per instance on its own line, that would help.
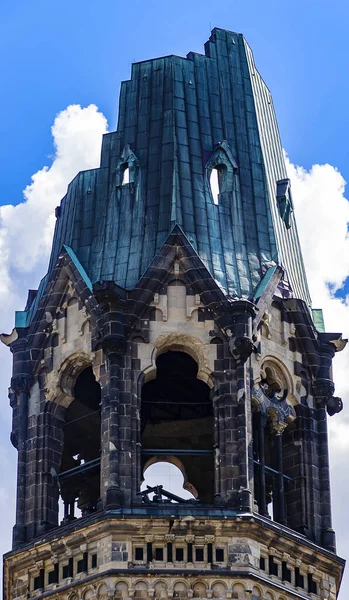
(51, 288)
(178, 250)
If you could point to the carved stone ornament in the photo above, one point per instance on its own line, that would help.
(279, 412)
(241, 347)
(334, 405)
(22, 383)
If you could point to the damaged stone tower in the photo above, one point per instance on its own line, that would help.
(174, 326)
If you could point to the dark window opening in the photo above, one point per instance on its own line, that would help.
(80, 467)
(262, 563)
(169, 552)
(219, 555)
(312, 587)
(65, 571)
(190, 552)
(159, 554)
(139, 553)
(179, 554)
(286, 573)
(149, 552)
(177, 422)
(82, 564)
(39, 581)
(53, 575)
(199, 554)
(93, 561)
(273, 567)
(271, 482)
(299, 579)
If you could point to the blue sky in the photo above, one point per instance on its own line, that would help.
(57, 54)
(53, 54)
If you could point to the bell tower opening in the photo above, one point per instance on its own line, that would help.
(80, 467)
(177, 423)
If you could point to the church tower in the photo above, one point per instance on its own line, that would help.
(174, 325)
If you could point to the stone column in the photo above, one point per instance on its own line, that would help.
(241, 347)
(109, 335)
(323, 390)
(46, 490)
(110, 427)
(21, 384)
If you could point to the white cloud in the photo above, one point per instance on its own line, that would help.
(26, 229)
(322, 214)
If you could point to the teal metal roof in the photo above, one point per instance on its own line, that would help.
(180, 118)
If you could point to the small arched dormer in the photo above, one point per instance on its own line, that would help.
(127, 169)
(221, 169)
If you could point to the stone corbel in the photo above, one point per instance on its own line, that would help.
(323, 390)
(241, 344)
(22, 383)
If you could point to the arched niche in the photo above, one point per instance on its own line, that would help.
(177, 420)
(79, 474)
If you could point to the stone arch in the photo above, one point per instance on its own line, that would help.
(199, 589)
(102, 591)
(188, 344)
(60, 384)
(86, 327)
(121, 589)
(141, 589)
(180, 589)
(219, 590)
(257, 592)
(160, 590)
(239, 591)
(72, 301)
(173, 460)
(274, 369)
(88, 593)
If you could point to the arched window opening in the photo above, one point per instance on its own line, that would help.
(126, 175)
(80, 466)
(217, 178)
(170, 477)
(177, 421)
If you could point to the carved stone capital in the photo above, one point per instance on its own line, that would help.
(22, 383)
(323, 388)
(113, 345)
